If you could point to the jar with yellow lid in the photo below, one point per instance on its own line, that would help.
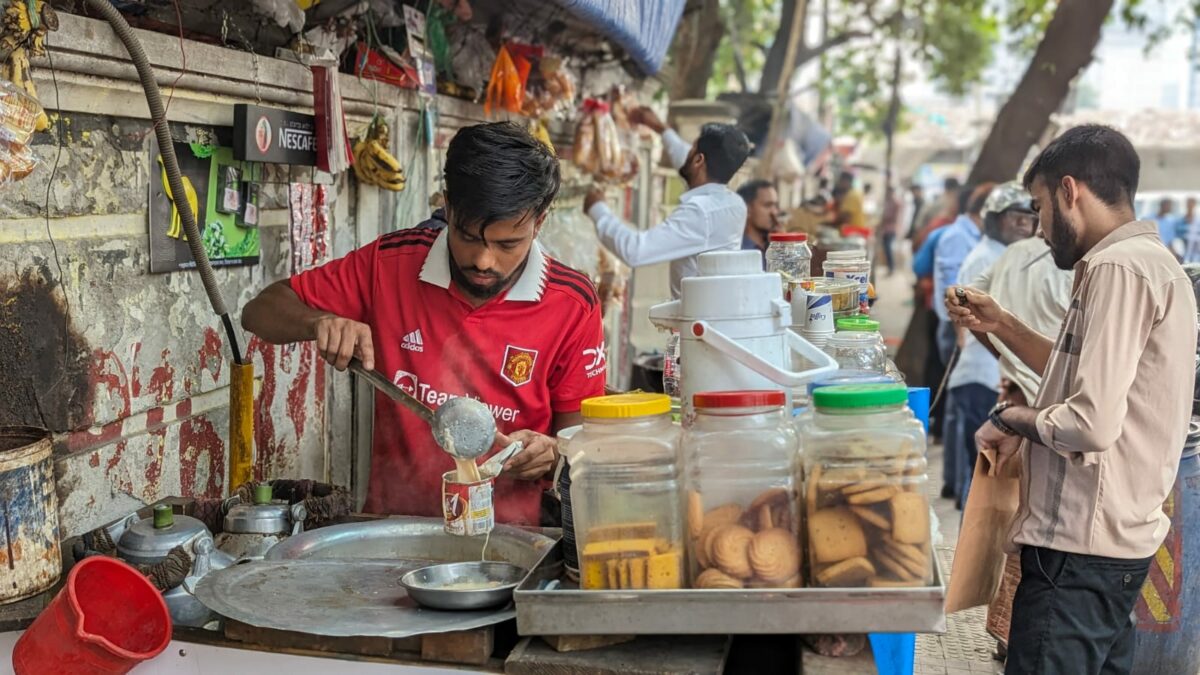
(625, 494)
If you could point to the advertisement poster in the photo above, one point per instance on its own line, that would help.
(223, 194)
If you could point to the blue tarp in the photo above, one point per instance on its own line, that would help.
(644, 28)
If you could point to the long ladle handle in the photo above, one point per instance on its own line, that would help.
(395, 393)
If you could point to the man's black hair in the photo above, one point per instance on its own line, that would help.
(964, 198)
(750, 189)
(951, 184)
(497, 171)
(725, 150)
(1100, 157)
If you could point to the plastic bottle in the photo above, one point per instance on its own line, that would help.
(671, 366)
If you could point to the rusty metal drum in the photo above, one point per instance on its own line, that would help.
(1167, 614)
(29, 550)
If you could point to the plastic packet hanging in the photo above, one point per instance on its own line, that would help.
(16, 161)
(585, 143)
(504, 90)
(608, 145)
(18, 113)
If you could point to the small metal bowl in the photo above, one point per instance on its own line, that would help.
(433, 586)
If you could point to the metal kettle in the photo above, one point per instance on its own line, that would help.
(250, 530)
(149, 541)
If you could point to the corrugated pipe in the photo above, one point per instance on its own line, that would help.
(166, 148)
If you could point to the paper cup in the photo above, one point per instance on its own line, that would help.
(818, 312)
(467, 508)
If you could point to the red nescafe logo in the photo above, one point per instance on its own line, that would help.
(262, 134)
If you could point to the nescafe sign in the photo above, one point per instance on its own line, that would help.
(272, 135)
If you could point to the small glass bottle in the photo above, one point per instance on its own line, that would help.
(788, 255)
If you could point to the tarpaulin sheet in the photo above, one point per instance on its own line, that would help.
(644, 28)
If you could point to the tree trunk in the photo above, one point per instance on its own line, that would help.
(773, 67)
(1065, 50)
(890, 123)
(695, 51)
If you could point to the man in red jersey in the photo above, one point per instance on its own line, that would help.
(467, 304)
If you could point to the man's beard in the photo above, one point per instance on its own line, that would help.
(1064, 246)
(485, 291)
(683, 173)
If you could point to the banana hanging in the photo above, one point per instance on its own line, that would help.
(23, 35)
(373, 164)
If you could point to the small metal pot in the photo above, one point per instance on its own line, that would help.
(250, 530)
(148, 541)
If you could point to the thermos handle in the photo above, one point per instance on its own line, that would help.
(788, 378)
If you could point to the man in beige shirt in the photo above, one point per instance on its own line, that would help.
(1101, 444)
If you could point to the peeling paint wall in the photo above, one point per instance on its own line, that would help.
(137, 390)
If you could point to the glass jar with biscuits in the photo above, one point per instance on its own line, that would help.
(742, 457)
(866, 507)
(625, 494)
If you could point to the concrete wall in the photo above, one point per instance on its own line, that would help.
(130, 369)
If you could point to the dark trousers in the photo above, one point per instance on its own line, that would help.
(970, 405)
(889, 254)
(1072, 614)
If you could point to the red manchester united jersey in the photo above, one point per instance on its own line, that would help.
(529, 353)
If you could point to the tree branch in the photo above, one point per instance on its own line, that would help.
(809, 53)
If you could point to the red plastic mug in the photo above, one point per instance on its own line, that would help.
(107, 619)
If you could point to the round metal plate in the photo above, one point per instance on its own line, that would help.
(337, 598)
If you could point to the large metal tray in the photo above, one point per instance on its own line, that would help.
(344, 580)
(338, 598)
(413, 539)
(566, 610)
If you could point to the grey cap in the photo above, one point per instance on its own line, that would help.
(1010, 195)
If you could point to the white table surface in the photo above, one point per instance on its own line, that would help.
(186, 658)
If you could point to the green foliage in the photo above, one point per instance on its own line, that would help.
(754, 23)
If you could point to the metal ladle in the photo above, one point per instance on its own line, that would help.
(463, 427)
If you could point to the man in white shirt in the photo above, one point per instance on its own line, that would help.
(974, 385)
(710, 216)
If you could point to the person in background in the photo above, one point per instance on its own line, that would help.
(974, 385)
(465, 304)
(1168, 223)
(848, 215)
(1190, 227)
(710, 216)
(762, 214)
(1101, 444)
(940, 213)
(950, 249)
(916, 205)
(889, 226)
(924, 311)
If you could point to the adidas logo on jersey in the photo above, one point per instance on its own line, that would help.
(413, 342)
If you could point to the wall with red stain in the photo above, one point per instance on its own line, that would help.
(155, 415)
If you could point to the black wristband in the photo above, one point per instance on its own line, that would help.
(998, 422)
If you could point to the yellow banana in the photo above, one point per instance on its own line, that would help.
(380, 154)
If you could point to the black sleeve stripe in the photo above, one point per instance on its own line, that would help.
(565, 271)
(586, 293)
(411, 232)
(427, 243)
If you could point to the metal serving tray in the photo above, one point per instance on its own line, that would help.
(566, 610)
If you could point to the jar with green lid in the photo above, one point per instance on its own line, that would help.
(852, 350)
(626, 494)
(866, 498)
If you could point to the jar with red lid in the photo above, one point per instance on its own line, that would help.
(742, 457)
(788, 254)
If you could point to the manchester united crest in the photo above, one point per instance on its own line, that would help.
(518, 365)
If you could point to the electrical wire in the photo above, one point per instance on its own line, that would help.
(182, 55)
(50, 187)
